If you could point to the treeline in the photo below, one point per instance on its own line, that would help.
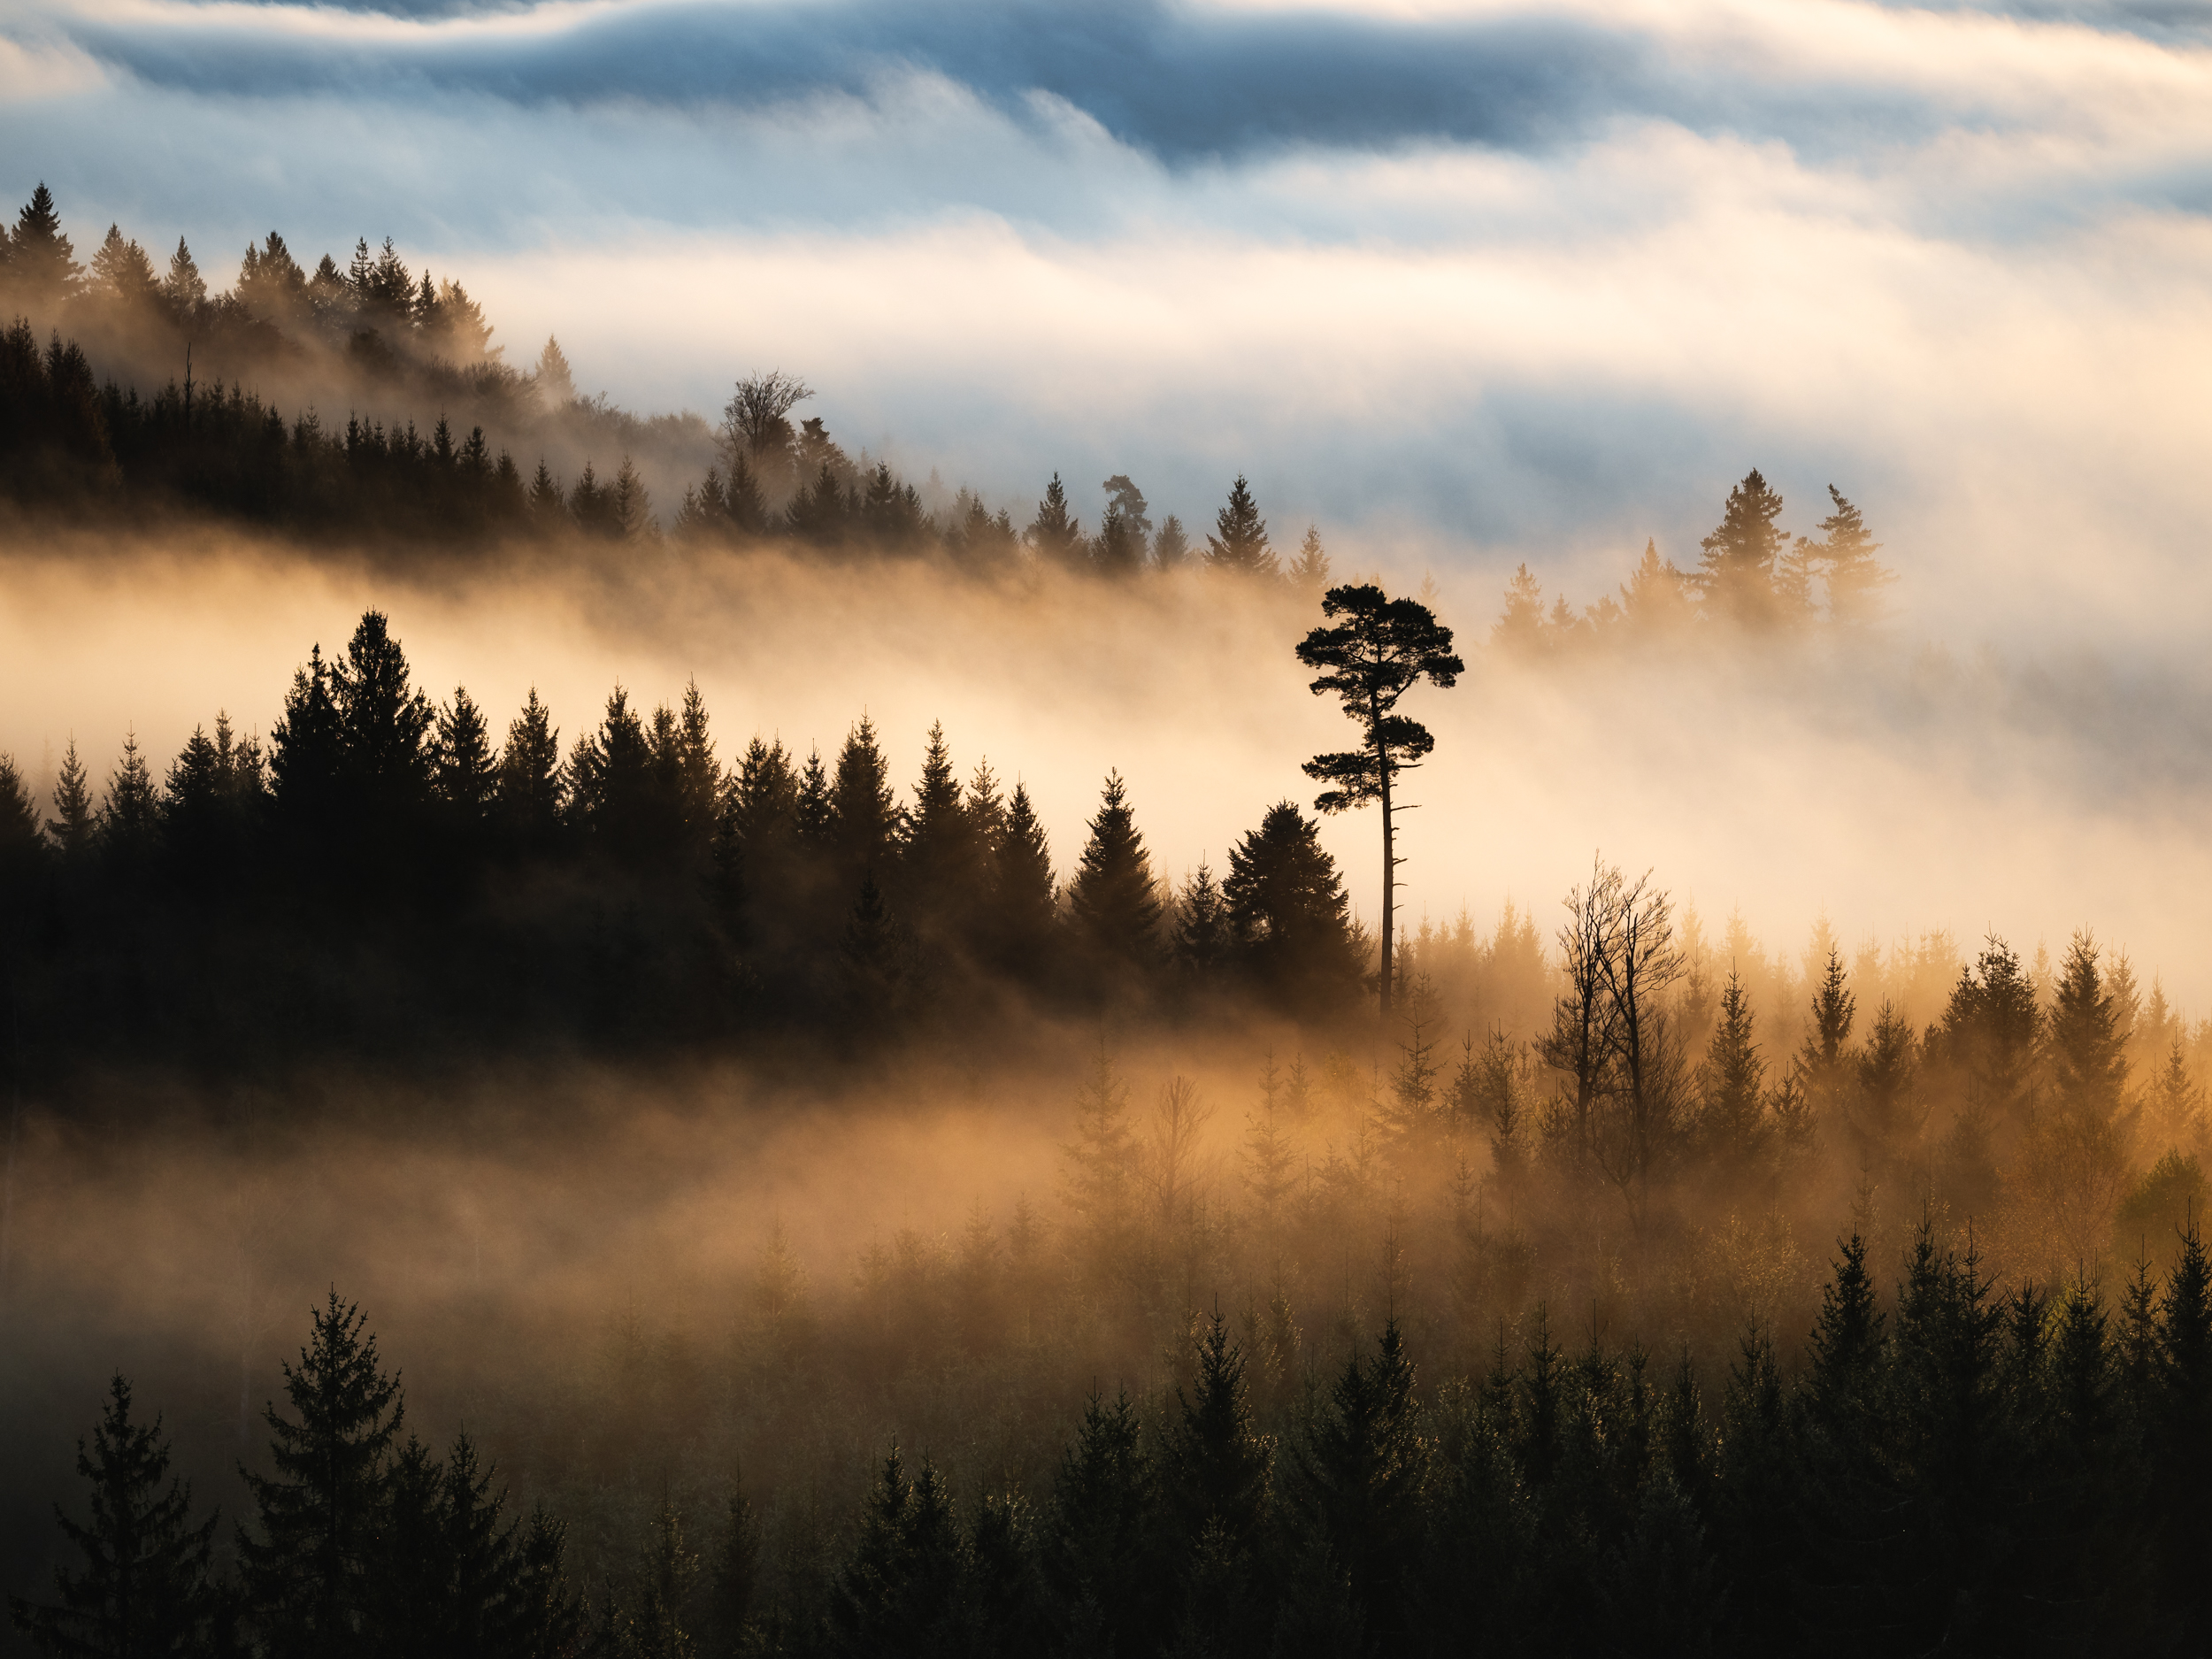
(1950, 1469)
(387, 875)
(1751, 577)
(73, 435)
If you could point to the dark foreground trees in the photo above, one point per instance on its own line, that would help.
(1943, 1470)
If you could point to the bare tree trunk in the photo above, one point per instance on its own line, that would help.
(1390, 876)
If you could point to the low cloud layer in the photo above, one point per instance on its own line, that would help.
(1467, 283)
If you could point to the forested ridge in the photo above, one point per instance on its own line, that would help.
(445, 448)
(390, 877)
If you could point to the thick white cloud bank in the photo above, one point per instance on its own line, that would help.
(1464, 283)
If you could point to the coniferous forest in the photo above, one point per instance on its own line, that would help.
(609, 1181)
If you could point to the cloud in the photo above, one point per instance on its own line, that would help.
(1464, 283)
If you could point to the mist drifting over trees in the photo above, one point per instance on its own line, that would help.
(605, 1178)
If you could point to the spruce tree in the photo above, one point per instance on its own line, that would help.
(307, 757)
(531, 790)
(22, 842)
(1101, 1555)
(306, 1567)
(463, 771)
(872, 963)
(1857, 582)
(1200, 943)
(488, 1563)
(1112, 898)
(411, 1604)
(1170, 548)
(1846, 1348)
(1054, 535)
(1823, 1064)
(383, 722)
(556, 384)
(630, 508)
(1024, 896)
(1238, 544)
(122, 273)
(549, 1624)
(1309, 571)
(1119, 549)
(41, 262)
(1655, 603)
(1364, 1472)
(1290, 916)
(1735, 579)
(617, 800)
(130, 809)
(940, 854)
(1216, 1476)
(900, 1592)
(549, 506)
(184, 287)
(2085, 1047)
(1733, 1120)
(79, 819)
(1882, 1117)
(1102, 1155)
(145, 1588)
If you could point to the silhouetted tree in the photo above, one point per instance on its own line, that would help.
(72, 831)
(306, 1565)
(1026, 917)
(1170, 548)
(900, 1591)
(1217, 1474)
(145, 1588)
(531, 790)
(1290, 917)
(1857, 582)
(1382, 650)
(1735, 579)
(1112, 898)
(1309, 571)
(1100, 1555)
(42, 264)
(463, 771)
(1054, 535)
(1238, 544)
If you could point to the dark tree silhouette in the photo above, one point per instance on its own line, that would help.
(145, 1588)
(1736, 577)
(1238, 544)
(1381, 649)
(307, 1566)
(1113, 899)
(1289, 916)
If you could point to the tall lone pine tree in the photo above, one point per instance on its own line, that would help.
(1380, 650)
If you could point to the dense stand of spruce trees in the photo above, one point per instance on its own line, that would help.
(1961, 1471)
(387, 876)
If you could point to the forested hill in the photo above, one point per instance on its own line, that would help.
(150, 392)
(388, 878)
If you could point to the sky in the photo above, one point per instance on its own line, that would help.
(1463, 281)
